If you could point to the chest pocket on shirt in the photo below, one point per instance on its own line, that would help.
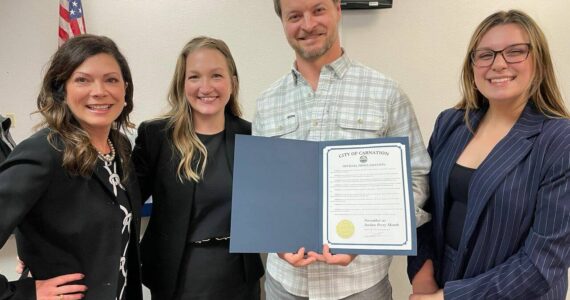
(361, 126)
(283, 126)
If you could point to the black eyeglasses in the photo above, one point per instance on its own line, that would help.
(512, 54)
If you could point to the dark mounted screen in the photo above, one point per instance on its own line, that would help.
(360, 4)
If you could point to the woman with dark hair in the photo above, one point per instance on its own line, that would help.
(500, 175)
(185, 161)
(68, 189)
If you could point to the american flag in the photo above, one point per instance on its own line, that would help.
(71, 21)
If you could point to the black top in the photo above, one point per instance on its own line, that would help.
(213, 194)
(109, 170)
(458, 196)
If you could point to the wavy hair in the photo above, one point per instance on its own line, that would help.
(543, 90)
(191, 151)
(67, 135)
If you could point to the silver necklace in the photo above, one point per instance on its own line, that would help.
(109, 157)
(114, 178)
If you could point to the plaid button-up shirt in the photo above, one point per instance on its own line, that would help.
(352, 101)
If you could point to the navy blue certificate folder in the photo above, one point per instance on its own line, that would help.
(277, 201)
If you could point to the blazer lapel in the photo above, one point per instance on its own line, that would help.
(131, 190)
(506, 155)
(230, 138)
(133, 195)
(102, 175)
(450, 151)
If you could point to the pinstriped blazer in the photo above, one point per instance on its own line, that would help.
(516, 236)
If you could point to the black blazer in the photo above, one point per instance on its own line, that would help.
(516, 237)
(6, 142)
(163, 244)
(66, 224)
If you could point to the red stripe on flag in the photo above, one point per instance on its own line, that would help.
(63, 13)
(75, 27)
(63, 34)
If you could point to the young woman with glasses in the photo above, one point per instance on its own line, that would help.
(500, 189)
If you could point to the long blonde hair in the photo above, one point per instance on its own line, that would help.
(191, 151)
(79, 155)
(543, 91)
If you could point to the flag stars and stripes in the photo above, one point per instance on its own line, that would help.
(71, 20)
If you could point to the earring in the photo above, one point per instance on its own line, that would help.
(125, 104)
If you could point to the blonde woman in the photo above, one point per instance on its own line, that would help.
(185, 162)
(500, 176)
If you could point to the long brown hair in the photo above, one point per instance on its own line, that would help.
(192, 152)
(79, 155)
(543, 91)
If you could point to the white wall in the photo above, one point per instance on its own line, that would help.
(419, 43)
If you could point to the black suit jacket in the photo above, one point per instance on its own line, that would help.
(6, 142)
(66, 224)
(163, 244)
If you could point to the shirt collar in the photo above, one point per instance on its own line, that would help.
(339, 67)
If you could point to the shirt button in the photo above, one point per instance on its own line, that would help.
(315, 123)
(310, 95)
(360, 121)
(280, 127)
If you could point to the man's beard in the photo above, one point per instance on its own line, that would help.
(314, 53)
